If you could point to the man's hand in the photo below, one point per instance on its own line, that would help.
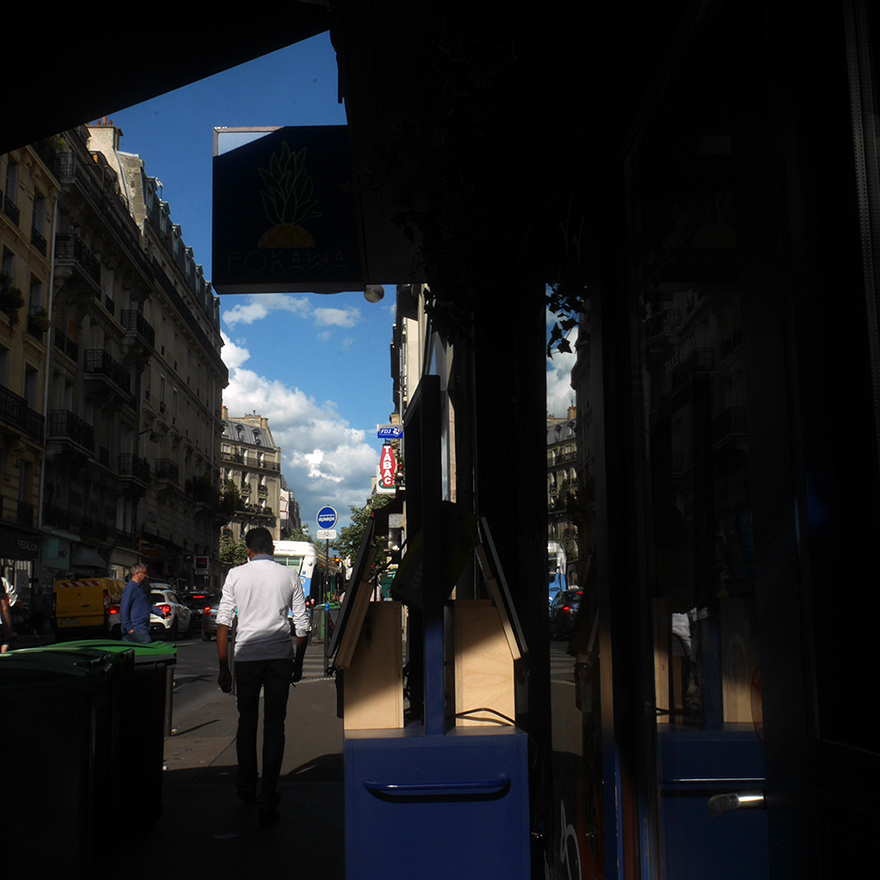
(224, 679)
(301, 643)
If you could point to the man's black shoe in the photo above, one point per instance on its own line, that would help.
(269, 817)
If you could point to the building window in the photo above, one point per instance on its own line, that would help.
(31, 386)
(36, 295)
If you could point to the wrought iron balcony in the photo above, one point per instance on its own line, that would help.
(38, 240)
(135, 322)
(132, 466)
(15, 413)
(99, 362)
(11, 210)
(69, 248)
(65, 425)
(166, 469)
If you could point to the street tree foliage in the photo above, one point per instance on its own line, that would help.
(349, 541)
(232, 552)
(301, 534)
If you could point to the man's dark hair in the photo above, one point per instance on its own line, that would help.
(259, 540)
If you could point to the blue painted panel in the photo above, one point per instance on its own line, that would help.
(437, 806)
(694, 766)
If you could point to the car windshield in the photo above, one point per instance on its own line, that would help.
(570, 596)
(200, 601)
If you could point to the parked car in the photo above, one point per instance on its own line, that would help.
(563, 610)
(175, 619)
(198, 603)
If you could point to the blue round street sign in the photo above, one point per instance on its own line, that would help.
(326, 518)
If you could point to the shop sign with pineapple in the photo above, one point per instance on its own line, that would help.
(284, 218)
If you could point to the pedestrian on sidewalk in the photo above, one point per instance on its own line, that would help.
(261, 593)
(134, 608)
(7, 634)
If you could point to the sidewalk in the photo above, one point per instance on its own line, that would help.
(206, 832)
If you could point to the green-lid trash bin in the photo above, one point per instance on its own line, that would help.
(57, 713)
(146, 720)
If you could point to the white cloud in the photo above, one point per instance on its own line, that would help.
(336, 317)
(324, 459)
(256, 308)
(233, 355)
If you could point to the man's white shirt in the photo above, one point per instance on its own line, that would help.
(264, 594)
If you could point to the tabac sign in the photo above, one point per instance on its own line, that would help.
(284, 217)
(387, 470)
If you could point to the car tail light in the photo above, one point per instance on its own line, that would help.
(165, 609)
(114, 610)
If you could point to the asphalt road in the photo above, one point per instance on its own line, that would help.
(195, 676)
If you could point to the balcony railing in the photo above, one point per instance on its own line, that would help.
(15, 412)
(70, 247)
(133, 466)
(135, 322)
(166, 469)
(11, 210)
(66, 425)
(254, 509)
(38, 240)
(100, 363)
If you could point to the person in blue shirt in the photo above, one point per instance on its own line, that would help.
(134, 608)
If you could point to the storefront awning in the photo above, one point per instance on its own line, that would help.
(86, 557)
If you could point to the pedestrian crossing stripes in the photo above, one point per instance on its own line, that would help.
(561, 666)
(313, 666)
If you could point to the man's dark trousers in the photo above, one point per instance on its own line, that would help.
(273, 676)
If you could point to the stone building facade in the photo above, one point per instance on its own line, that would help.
(251, 473)
(127, 378)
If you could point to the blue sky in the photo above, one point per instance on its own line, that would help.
(316, 366)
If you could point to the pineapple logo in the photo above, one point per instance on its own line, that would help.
(288, 201)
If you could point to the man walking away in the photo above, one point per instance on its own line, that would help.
(261, 593)
(134, 608)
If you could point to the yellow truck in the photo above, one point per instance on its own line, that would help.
(86, 607)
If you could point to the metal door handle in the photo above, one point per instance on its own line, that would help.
(736, 800)
(484, 788)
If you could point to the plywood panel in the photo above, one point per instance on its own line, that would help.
(373, 682)
(483, 666)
